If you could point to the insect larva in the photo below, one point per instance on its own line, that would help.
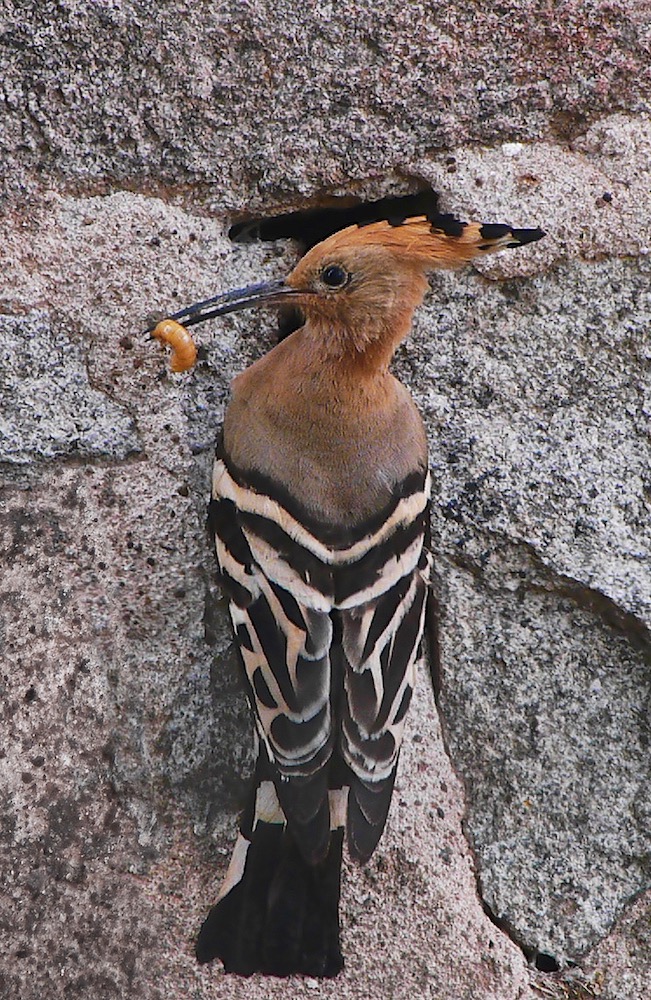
(184, 350)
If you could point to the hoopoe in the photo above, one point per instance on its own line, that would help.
(319, 513)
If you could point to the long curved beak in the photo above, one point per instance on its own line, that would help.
(228, 302)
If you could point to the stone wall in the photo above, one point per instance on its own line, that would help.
(516, 858)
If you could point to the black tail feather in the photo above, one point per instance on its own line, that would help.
(282, 917)
(305, 803)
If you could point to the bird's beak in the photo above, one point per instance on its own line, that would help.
(228, 302)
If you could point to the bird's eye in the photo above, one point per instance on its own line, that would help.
(334, 276)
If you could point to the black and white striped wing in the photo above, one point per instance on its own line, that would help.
(284, 641)
(380, 647)
(328, 635)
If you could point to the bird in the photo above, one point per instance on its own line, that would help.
(319, 516)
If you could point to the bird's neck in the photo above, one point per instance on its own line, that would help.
(337, 431)
(351, 352)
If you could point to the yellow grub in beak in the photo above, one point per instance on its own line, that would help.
(184, 349)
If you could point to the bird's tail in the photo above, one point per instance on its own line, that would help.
(275, 914)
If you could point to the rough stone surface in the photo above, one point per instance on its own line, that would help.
(134, 138)
(541, 457)
(48, 409)
(266, 100)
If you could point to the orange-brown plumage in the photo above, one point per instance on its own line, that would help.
(417, 240)
(337, 439)
(321, 413)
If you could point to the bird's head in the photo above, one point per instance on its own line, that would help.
(359, 283)
(358, 288)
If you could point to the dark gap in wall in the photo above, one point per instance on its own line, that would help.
(310, 226)
(545, 962)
